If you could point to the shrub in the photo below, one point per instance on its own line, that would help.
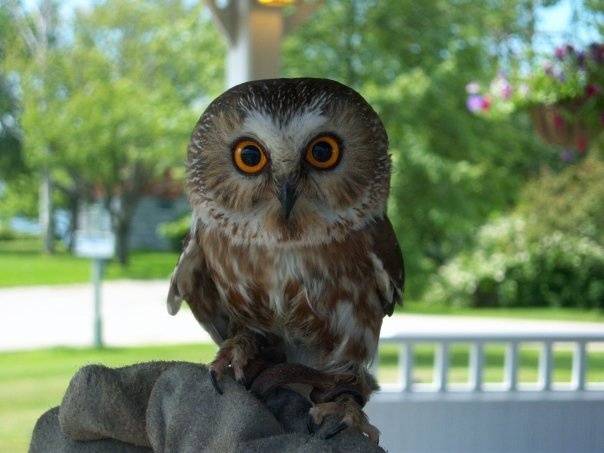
(548, 252)
(505, 269)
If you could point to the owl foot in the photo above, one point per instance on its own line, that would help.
(351, 413)
(234, 352)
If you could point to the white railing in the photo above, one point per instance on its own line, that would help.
(580, 343)
(478, 415)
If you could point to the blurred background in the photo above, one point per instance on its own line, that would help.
(494, 112)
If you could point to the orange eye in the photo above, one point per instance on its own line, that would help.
(249, 157)
(323, 152)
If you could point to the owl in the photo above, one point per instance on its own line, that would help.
(288, 181)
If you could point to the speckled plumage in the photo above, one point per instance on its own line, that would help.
(320, 278)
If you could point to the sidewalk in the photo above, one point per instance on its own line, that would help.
(134, 313)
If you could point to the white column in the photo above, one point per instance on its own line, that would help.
(254, 34)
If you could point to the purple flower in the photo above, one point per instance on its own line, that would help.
(477, 103)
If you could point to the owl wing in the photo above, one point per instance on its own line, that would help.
(191, 281)
(181, 282)
(388, 264)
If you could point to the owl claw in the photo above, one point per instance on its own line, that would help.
(310, 423)
(233, 355)
(351, 413)
(341, 427)
(241, 380)
(214, 380)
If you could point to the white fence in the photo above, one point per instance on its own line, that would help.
(482, 416)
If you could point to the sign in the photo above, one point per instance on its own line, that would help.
(94, 244)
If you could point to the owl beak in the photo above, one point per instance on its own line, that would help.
(287, 196)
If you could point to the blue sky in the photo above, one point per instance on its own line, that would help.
(556, 25)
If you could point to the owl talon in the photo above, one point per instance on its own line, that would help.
(241, 380)
(341, 427)
(214, 380)
(352, 416)
(310, 424)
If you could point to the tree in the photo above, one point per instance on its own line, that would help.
(11, 156)
(412, 60)
(122, 92)
(38, 31)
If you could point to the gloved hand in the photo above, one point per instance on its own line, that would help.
(173, 407)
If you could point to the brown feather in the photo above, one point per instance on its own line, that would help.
(387, 249)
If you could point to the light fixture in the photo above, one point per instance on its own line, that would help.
(277, 2)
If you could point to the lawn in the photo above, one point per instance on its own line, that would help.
(32, 382)
(22, 264)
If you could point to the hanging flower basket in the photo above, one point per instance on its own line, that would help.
(556, 125)
(563, 93)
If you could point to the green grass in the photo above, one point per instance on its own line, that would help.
(549, 313)
(34, 381)
(22, 264)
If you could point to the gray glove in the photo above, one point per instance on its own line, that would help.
(173, 407)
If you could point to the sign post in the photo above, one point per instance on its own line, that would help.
(96, 241)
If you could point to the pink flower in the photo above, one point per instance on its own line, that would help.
(592, 90)
(559, 53)
(501, 87)
(558, 121)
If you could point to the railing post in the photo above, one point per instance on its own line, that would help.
(545, 366)
(579, 366)
(511, 366)
(513, 342)
(406, 364)
(476, 366)
(441, 365)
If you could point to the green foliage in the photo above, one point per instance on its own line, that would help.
(550, 253)
(412, 61)
(504, 269)
(11, 155)
(569, 200)
(176, 231)
(109, 98)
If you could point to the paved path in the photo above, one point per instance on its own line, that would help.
(134, 313)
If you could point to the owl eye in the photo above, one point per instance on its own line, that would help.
(323, 152)
(249, 157)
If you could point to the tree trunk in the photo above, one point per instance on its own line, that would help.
(122, 236)
(74, 210)
(46, 213)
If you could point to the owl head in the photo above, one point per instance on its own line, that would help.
(290, 161)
